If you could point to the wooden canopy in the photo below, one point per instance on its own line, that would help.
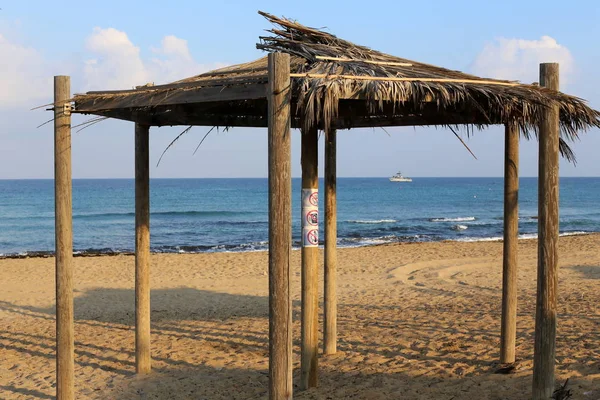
(340, 85)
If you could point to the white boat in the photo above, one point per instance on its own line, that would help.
(398, 177)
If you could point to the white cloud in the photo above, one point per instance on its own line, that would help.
(519, 59)
(118, 64)
(172, 45)
(112, 62)
(23, 77)
(173, 61)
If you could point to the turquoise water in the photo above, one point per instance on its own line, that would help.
(196, 215)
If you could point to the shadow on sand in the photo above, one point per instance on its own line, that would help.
(209, 345)
(587, 271)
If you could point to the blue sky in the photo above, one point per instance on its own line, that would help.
(109, 44)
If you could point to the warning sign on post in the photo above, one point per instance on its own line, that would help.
(310, 217)
(310, 198)
(310, 237)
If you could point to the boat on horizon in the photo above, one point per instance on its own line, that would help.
(398, 177)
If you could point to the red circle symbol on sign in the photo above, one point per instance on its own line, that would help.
(312, 237)
(312, 217)
(314, 198)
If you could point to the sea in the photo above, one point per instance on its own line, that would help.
(231, 215)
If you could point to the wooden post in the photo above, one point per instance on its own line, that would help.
(511, 244)
(310, 260)
(545, 315)
(142, 249)
(63, 219)
(280, 228)
(330, 328)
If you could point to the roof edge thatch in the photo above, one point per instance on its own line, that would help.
(335, 66)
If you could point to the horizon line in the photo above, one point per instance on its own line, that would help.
(293, 177)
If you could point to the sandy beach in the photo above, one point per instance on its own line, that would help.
(416, 321)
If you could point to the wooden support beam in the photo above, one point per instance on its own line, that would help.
(63, 220)
(310, 260)
(330, 315)
(250, 121)
(354, 60)
(351, 114)
(545, 315)
(280, 228)
(142, 249)
(193, 83)
(211, 120)
(511, 244)
(403, 79)
(178, 118)
(152, 98)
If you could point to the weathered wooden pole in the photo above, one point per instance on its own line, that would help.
(280, 228)
(545, 315)
(310, 260)
(142, 249)
(330, 298)
(511, 245)
(63, 220)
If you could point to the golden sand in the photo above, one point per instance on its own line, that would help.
(416, 321)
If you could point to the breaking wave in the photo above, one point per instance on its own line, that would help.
(457, 219)
(375, 221)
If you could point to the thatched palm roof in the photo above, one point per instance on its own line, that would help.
(340, 84)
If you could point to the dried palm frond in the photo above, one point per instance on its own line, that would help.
(202, 141)
(186, 130)
(462, 141)
(45, 123)
(562, 392)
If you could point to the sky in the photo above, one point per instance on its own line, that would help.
(121, 44)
